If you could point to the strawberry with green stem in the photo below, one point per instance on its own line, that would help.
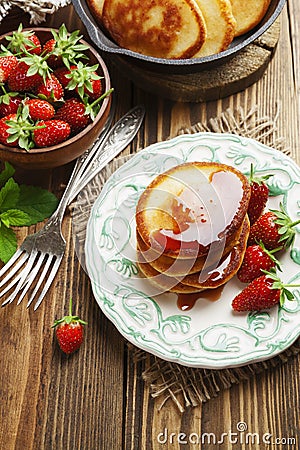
(263, 292)
(50, 89)
(9, 102)
(259, 195)
(22, 41)
(274, 228)
(64, 48)
(16, 129)
(85, 81)
(256, 260)
(31, 71)
(69, 332)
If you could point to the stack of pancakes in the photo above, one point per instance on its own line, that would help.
(192, 227)
(177, 29)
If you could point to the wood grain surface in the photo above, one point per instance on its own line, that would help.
(96, 399)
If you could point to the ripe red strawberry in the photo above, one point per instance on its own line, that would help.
(274, 228)
(7, 65)
(9, 103)
(16, 129)
(259, 196)
(74, 112)
(21, 41)
(264, 292)
(40, 109)
(63, 74)
(85, 80)
(256, 260)
(51, 89)
(51, 132)
(19, 80)
(4, 126)
(69, 332)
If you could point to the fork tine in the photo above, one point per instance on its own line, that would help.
(10, 262)
(41, 279)
(49, 282)
(16, 267)
(22, 278)
(31, 276)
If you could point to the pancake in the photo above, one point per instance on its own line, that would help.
(248, 13)
(179, 266)
(160, 28)
(186, 211)
(160, 281)
(220, 25)
(211, 279)
(96, 8)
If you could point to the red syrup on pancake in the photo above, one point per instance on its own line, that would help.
(201, 217)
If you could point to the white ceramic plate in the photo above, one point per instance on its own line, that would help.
(210, 334)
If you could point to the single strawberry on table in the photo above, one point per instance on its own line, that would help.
(69, 332)
(274, 228)
(264, 292)
(259, 195)
(256, 260)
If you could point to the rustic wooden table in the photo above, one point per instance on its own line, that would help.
(97, 399)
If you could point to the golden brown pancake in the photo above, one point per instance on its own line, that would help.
(192, 207)
(180, 266)
(211, 279)
(248, 13)
(220, 26)
(160, 28)
(161, 281)
(96, 8)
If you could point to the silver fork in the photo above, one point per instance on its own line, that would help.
(44, 250)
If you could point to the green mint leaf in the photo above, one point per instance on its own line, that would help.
(8, 243)
(6, 173)
(14, 218)
(9, 195)
(37, 203)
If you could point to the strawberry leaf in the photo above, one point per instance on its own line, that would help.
(9, 195)
(14, 217)
(36, 202)
(8, 243)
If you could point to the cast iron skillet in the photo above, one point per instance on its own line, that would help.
(178, 66)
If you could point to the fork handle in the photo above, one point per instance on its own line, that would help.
(102, 152)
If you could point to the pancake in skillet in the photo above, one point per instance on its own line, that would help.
(220, 26)
(248, 13)
(96, 8)
(160, 28)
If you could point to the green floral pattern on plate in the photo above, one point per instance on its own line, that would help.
(210, 334)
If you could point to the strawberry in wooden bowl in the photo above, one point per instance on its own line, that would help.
(55, 96)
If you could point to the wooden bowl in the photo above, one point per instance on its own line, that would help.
(58, 155)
